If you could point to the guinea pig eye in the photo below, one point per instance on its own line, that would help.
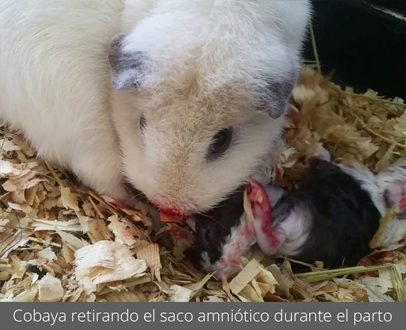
(208, 235)
(221, 142)
(143, 123)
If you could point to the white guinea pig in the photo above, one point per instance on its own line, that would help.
(184, 103)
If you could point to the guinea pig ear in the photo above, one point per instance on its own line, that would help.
(274, 99)
(128, 69)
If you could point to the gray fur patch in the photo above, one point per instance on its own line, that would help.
(128, 69)
(274, 99)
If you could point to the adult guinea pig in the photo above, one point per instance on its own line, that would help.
(331, 218)
(181, 99)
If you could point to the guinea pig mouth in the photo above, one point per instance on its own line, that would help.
(169, 211)
(171, 214)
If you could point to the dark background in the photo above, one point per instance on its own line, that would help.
(363, 47)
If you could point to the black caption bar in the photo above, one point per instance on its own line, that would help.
(180, 316)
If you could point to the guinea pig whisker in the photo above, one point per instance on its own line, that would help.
(133, 198)
(214, 219)
(226, 204)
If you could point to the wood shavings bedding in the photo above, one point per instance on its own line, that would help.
(106, 261)
(61, 242)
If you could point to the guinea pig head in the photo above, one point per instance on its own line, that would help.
(213, 228)
(196, 115)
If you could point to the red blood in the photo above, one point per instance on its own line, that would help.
(171, 211)
(278, 173)
(234, 258)
(262, 211)
(365, 262)
(249, 188)
(294, 158)
(246, 232)
(168, 210)
(172, 218)
(402, 203)
(177, 233)
(234, 262)
(385, 254)
(121, 205)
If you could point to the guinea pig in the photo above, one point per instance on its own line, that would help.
(180, 99)
(332, 218)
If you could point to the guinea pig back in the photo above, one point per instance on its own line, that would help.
(343, 216)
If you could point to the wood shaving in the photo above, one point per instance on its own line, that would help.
(150, 253)
(50, 289)
(247, 274)
(106, 262)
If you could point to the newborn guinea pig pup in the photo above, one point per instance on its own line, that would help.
(331, 218)
(180, 99)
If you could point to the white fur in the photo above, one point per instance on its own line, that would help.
(395, 232)
(387, 181)
(368, 182)
(55, 83)
(292, 233)
(205, 57)
(297, 228)
(275, 193)
(236, 246)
